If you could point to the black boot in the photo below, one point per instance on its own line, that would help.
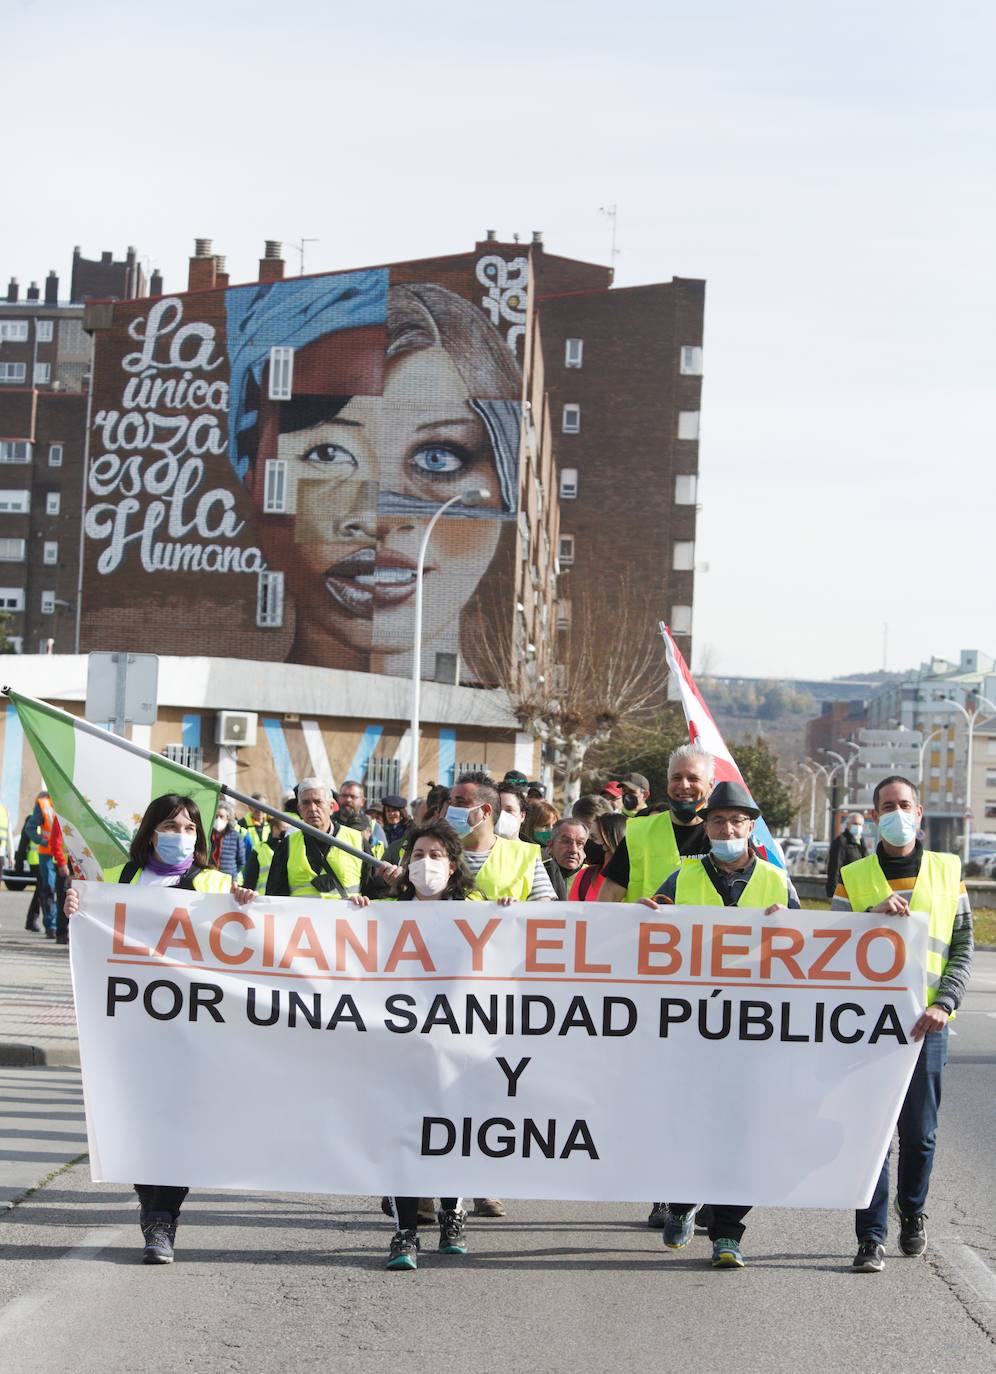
(159, 1230)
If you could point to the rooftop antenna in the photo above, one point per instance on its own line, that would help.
(300, 247)
(612, 212)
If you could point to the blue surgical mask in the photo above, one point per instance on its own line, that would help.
(728, 850)
(174, 848)
(897, 828)
(459, 818)
(856, 831)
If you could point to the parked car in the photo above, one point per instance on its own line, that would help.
(817, 855)
(17, 879)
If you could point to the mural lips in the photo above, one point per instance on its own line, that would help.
(366, 579)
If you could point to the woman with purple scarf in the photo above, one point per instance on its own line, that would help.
(169, 849)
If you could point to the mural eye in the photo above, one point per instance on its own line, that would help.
(438, 460)
(327, 456)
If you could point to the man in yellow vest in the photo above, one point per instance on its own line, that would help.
(505, 868)
(900, 877)
(655, 844)
(731, 874)
(303, 867)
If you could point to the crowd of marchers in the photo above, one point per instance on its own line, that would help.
(503, 841)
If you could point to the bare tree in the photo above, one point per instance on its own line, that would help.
(613, 673)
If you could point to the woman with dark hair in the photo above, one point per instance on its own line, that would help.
(169, 849)
(434, 871)
(607, 830)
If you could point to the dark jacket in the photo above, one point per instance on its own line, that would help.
(844, 849)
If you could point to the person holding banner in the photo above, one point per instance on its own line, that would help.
(731, 874)
(304, 867)
(654, 845)
(900, 877)
(435, 871)
(169, 849)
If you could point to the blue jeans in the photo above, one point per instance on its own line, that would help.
(46, 889)
(917, 1139)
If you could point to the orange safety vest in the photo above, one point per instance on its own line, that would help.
(45, 829)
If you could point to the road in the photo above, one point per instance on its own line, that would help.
(281, 1283)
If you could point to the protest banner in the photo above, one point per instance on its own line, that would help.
(428, 1048)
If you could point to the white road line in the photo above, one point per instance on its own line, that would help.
(24, 1307)
(971, 1267)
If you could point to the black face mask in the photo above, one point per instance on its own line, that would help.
(631, 801)
(684, 811)
(594, 853)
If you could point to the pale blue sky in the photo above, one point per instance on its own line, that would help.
(827, 169)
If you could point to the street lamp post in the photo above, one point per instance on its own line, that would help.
(970, 721)
(923, 750)
(472, 497)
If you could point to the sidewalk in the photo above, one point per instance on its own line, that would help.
(37, 1020)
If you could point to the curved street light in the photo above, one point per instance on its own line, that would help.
(971, 720)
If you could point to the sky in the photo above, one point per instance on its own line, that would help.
(828, 169)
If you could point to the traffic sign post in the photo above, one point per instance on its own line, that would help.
(122, 688)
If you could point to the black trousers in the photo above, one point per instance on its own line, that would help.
(726, 1224)
(157, 1197)
(406, 1210)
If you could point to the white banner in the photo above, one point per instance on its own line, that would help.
(554, 1051)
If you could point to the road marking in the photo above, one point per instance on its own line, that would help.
(971, 1267)
(24, 1307)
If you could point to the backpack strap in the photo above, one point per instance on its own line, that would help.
(129, 871)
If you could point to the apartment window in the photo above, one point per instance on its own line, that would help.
(47, 603)
(563, 615)
(275, 486)
(50, 552)
(13, 372)
(684, 489)
(12, 550)
(683, 559)
(43, 331)
(688, 424)
(570, 422)
(281, 373)
(270, 600)
(15, 502)
(568, 484)
(991, 779)
(11, 598)
(53, 501)
(15, 451)
(691, 360)
(573, 352)
(13, 331)
(565, 555)
(681, 620)
(991, 747)
(55, 455)
(42, 373)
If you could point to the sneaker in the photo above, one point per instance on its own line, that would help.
(426, 1211)
(488, 1207)
(159, 1230)
(404, 1250)
(452, 1236)
(658, 1215)
(870, 1258)
(387, 1207)
(703, 1219)
(912, 1232)
(679, 1227)
(726, 1254)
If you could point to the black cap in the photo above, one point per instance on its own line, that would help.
(395, 802)
(731, 796)
(516, 778)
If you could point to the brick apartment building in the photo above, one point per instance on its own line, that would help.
(44, 372)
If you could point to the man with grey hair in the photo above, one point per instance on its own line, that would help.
(655, 845)
(845, 848)
(304, 867)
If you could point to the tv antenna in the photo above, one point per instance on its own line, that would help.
(300, 248)
(611, 212)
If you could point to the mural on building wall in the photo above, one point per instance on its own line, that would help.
(265, 460)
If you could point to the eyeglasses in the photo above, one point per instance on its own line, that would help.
(728, 820)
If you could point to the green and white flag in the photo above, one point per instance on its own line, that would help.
(101, 784)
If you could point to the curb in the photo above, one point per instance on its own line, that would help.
(14, 1055)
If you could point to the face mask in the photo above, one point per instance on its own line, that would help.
(683, 811)
(856, 831)
(459, 818)
(593, 852)
(221, 823)
(631, 802)
(173, 848)
(507, 825)
(897, 828)
(728, 850)
(542, 836)
(429, 876)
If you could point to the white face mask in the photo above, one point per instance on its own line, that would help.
(221, 822)
(507, 825)
(429, 876)
(898, 828)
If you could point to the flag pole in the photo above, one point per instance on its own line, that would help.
(223, 789)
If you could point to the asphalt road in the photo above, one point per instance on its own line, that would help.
(275, 1283)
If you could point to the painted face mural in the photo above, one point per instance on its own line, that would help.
(357, 406)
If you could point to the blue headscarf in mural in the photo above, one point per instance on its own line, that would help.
(288, 314)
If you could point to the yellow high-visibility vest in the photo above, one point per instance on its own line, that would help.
(653, 854)
(207, 880)
(767, 885)
(508, 870)
(935, 891)
(346, 868)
